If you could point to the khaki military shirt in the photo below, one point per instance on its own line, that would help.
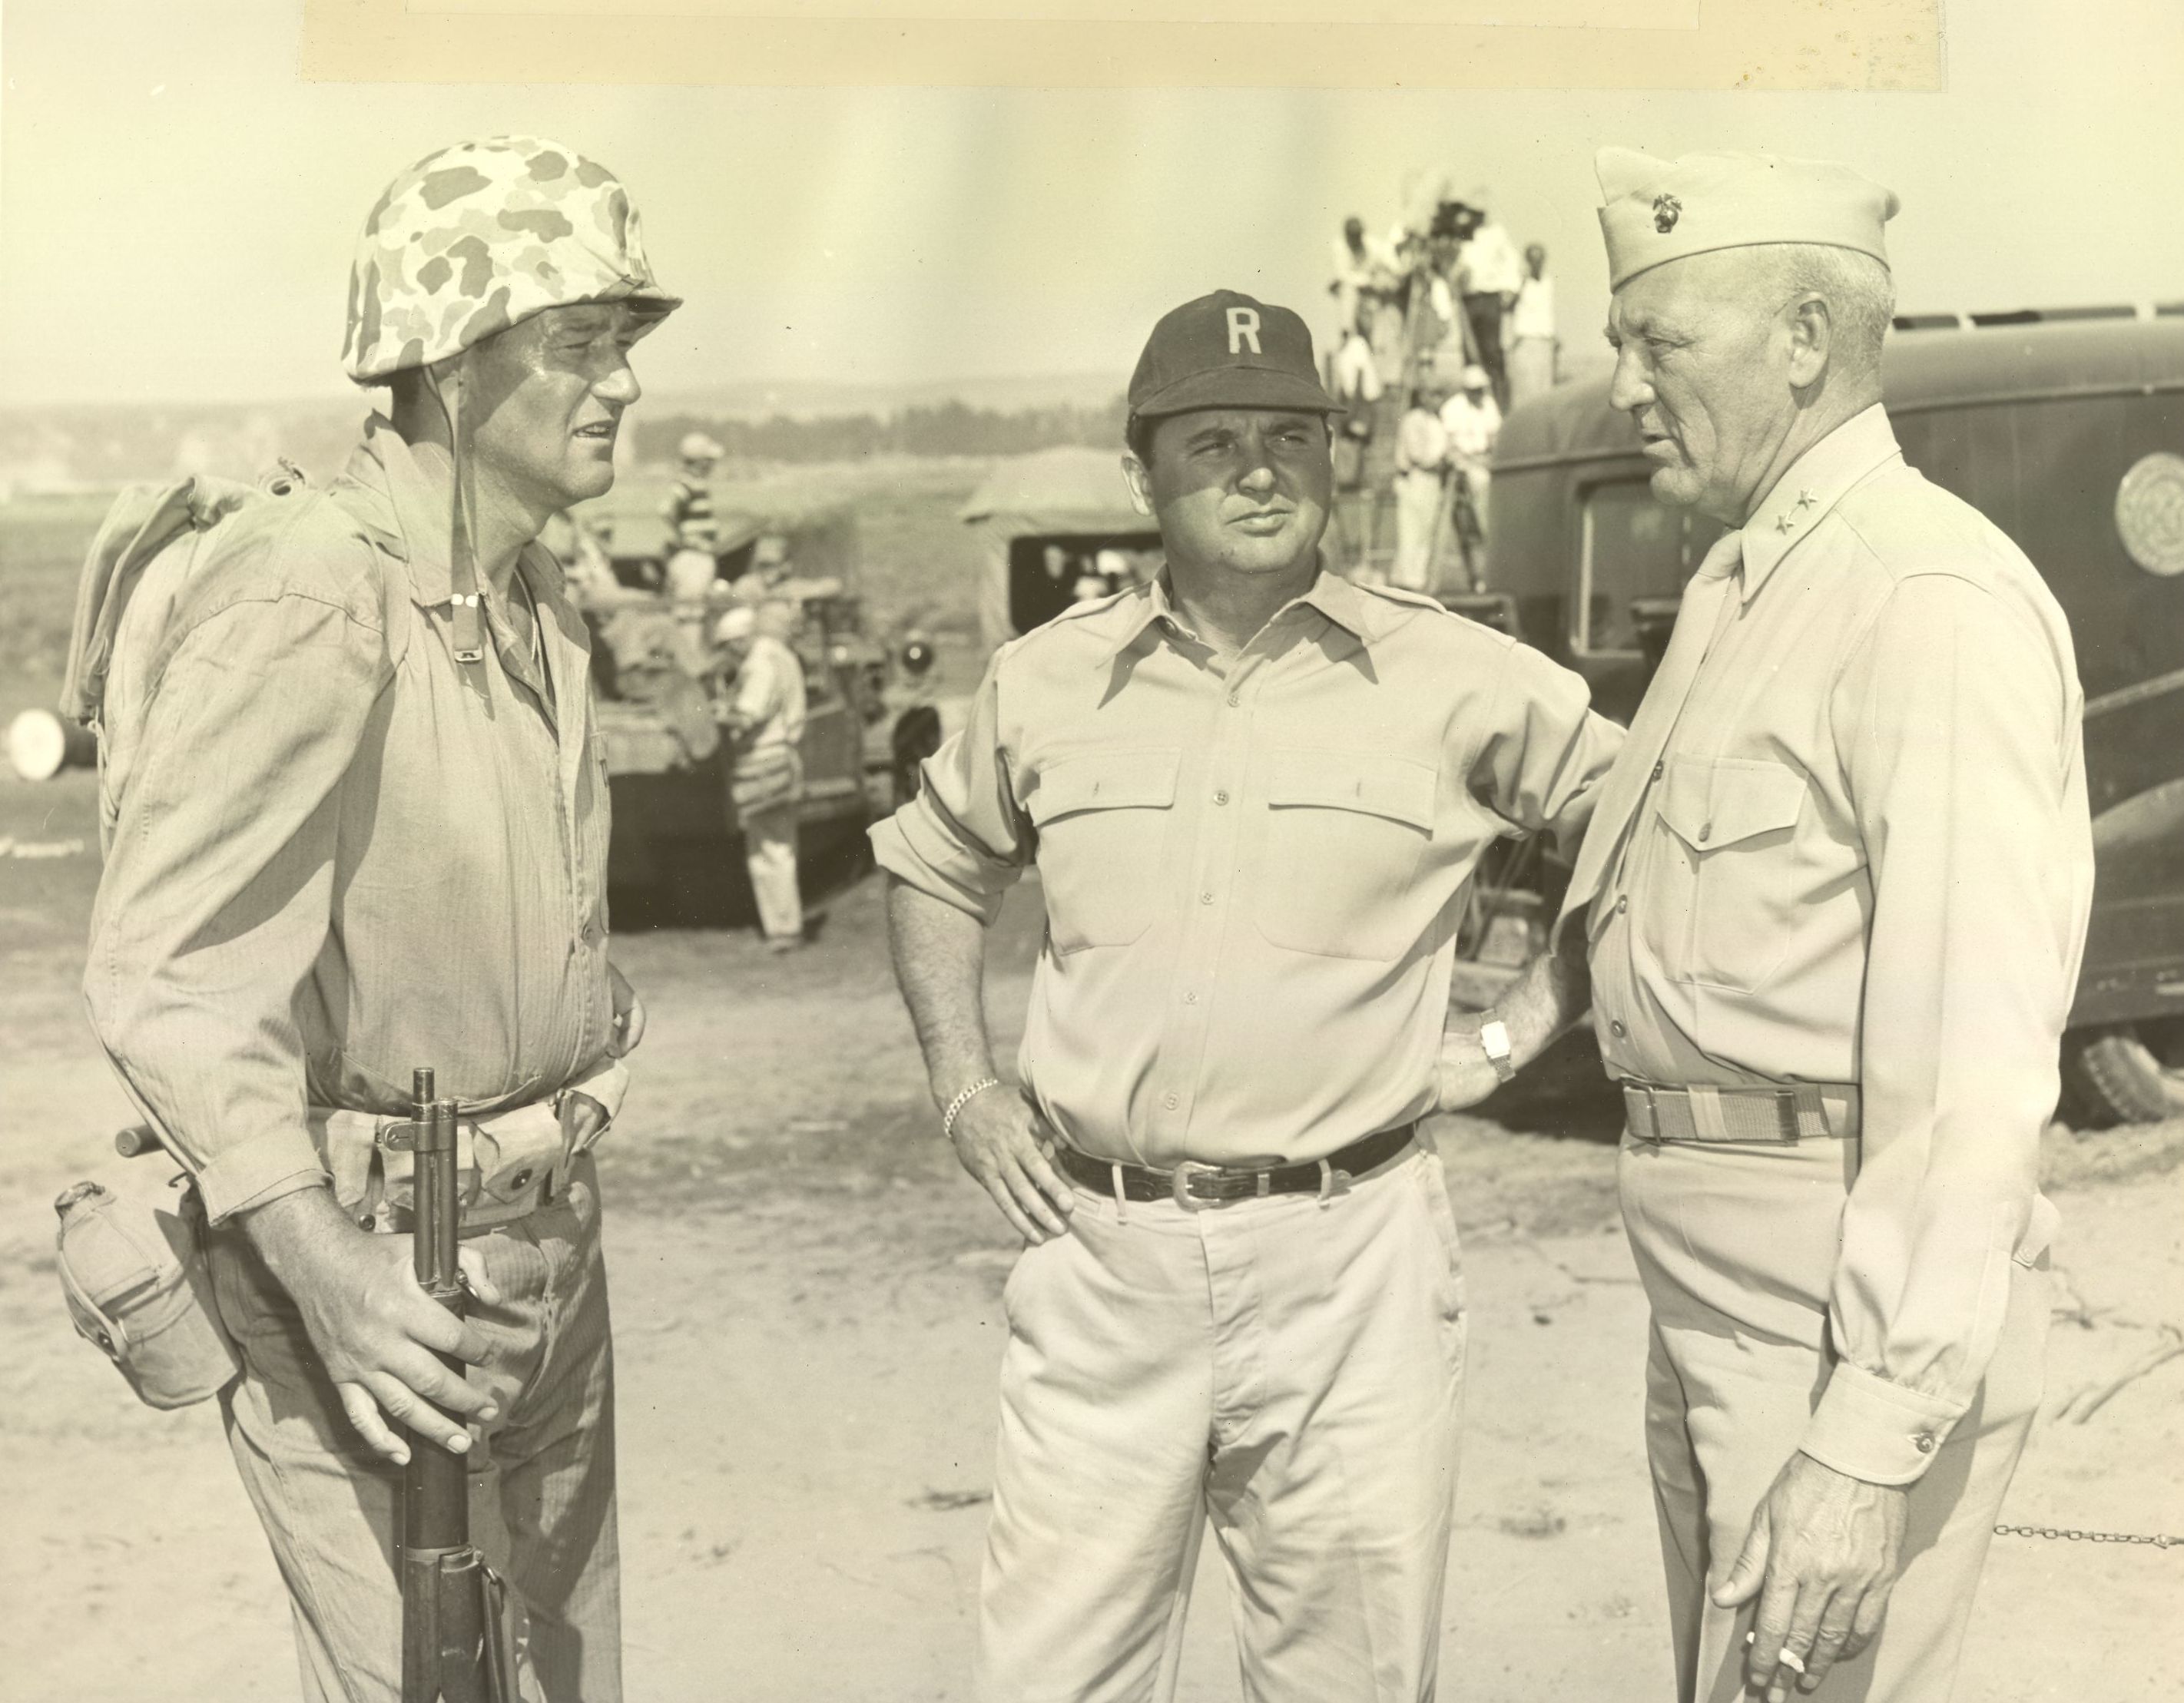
(1865, 857)
(336, 853)
(1251, 867)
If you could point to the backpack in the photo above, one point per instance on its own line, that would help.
(152, 539)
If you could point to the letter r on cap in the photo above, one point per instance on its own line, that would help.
(1244, 328)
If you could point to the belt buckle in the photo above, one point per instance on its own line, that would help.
(1787, 1132)
(1179, 1185)
(1652, 1110)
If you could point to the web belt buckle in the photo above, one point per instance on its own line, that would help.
(1787, 1128)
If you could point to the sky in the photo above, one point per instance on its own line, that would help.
(177, 208)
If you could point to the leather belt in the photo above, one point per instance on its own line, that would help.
(1192, 1184)
(1774, 1115)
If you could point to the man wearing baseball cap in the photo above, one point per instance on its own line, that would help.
(362, 828)
(1835, 893)
(1254, 792)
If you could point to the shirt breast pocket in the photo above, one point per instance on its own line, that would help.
(1344, 836)
(1103, 819)
(1735, 822)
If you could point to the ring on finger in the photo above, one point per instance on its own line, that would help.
(1790, 1659)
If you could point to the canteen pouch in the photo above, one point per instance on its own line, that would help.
(133, 1271)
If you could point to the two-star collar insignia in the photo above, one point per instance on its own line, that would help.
(1784, 521)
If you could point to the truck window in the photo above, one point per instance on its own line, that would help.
(1631, 547)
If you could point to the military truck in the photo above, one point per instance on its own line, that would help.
(2067, 431)
(652, 663)
(1046, 523)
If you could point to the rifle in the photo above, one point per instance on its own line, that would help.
(458, 1641)
(458, 1633)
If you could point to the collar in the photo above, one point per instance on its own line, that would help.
(1367, 618)
(405, 509)
(1815, 483)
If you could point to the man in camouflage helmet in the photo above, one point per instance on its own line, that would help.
(363, 828)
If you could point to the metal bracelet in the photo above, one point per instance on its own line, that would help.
(956, 1105)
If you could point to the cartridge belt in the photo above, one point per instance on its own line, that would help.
(1192, 1184)
(1777, 1114)
(507, 1165)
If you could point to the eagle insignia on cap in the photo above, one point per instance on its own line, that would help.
(1666, 209)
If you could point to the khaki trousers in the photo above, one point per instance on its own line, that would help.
(1290, 1369)
(1736, 1247)
(542, 1479)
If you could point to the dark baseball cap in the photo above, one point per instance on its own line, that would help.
(1227, 350)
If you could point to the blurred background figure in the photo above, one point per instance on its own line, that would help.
(1471, 422)
(761, 714)
(1533, 343)
(769, 568)
(1489, 274)
(1421, 461)
(692, 524)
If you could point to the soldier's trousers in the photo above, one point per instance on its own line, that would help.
(542, 1479)
(1736, 1247)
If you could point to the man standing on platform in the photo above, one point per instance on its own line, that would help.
(1534, 340)
(1836, 894)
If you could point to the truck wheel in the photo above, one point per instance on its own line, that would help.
(917, 736)
(2125, 1073)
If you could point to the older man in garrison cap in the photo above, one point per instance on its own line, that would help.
(1254, 792)
(1835, 893)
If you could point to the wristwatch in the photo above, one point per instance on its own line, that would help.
(1493, 1041)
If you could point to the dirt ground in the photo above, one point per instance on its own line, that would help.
(806, 1292)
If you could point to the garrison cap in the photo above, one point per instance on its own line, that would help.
(1227, 350)
(1659, 210)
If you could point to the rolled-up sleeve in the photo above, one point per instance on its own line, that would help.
(1545, 753)
(1959, 740)
(216, 899)
(963, 840)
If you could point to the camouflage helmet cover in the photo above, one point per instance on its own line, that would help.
(471, 239)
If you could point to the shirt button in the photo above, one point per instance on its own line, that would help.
(1234, 700)
(1924, 1443)
(1706, 832)
(1221, 798)
(1615, 1026)
(1191, 998)
(1171, 1101)
(1623, 904)
(1658, 769)
(1205, 898)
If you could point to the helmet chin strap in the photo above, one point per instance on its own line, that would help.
(466, 611)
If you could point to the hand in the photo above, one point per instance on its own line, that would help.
(1823, 1554)
(1466, 1075)
(583, 1121)
(375, 1330)
(1004, 1145)
(628, 1014)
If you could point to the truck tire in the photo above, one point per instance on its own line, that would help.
(2121, 1073)
(917, 736)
